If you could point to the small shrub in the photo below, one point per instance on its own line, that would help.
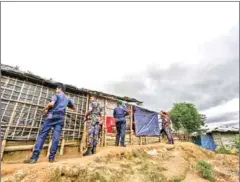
(175, 179)
(206, 170)
(140, 154)
(236, 141)
(223, 150)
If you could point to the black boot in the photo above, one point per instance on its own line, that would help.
(88, 152)
(117, 144)
(94, 150)
(30, 161)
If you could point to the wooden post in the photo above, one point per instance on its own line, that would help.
(63, 140)
(140, 140)
(62, 147)
(131, 121)
(103, 126)
(83, 137)
(80, 132)
(146, 140)
(7, 130)
(49, 146)
(105, 123)
(3, 147)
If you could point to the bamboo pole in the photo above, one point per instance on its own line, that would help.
(3, 142)
(75, 124)
(29, 147)
(49, 146)
(7, 130)
(37, 107)
(80, 127)
(83, 137)
(103, 126)
(63, 140)
(10, 123)
(140, 140)
(131, 122)
(21, 109)
(62, 147)
(105, 123)
(40, 122)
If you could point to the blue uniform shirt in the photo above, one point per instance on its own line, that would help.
(119, 114)
(61, 102)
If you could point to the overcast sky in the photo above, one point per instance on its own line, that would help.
(160, 53)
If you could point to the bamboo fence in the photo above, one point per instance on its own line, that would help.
(21, 106)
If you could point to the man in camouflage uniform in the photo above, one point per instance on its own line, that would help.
(93, 119)
(166, 126)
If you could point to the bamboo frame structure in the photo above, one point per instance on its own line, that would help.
(22, 103)
(84, 133)
(131, 122)
(105, 123)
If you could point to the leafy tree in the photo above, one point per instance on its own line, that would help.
(185, 115)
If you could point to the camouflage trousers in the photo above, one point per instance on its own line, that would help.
(169, 135)
(93, 131)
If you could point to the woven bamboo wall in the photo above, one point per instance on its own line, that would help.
(226, 139)
(22, 104)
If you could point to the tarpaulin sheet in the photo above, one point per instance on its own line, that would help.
(146, 122)
(208, 142)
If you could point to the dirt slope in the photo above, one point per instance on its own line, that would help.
(149, 163)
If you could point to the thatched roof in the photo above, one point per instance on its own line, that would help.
(16, 72)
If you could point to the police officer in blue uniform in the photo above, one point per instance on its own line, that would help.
(120, 113)
(54, 118)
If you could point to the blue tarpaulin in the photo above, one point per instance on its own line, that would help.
(146, 122)
(207, 142)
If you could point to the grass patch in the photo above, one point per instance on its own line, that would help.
(140, 154)
(236, 141)
(223, 150)
(175, 179)
(152, 172)
(127, 165)
(206, 170)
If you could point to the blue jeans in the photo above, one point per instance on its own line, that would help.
(121, 131)
(56, 122)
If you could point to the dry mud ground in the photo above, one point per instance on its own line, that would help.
(147, 163)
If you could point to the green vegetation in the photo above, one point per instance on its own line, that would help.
(206, 170)
(236, 141)
(185, 115)
(223, 150)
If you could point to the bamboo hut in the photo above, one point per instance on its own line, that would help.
(215, 137)
(23, 96)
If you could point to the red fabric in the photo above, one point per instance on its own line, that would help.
(110, 122)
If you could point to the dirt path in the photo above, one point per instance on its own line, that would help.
(8, 168)
(134, 163)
